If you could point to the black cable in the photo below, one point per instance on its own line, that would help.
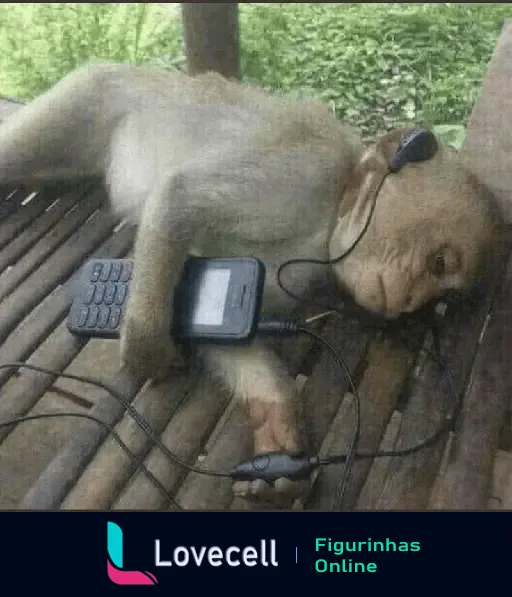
(115, 435)
(328, 261)
(353, 455)
(447, 425)
(266, 466)
(139, 419)
(310, 462)
(293, 327)
(343, 482)
(342, 485)
(280, 464)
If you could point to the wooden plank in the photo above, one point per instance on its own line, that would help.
(22, 393)
(97, 355)
(185, 435)
(63, 471)
(48, 244)
(232, 439)
(53, 271)
(326, 386)
(38, 228)
(7, 191)
(29, 209)
(32, 330)
(330, 445)
(389, 363)
(33, 206)
(468, 480)
(410, 478)
(487, 148)
(488, 153)
(58, 350)
(111, 468)
(380, 466)
(31, 446)
(12, 202)
(501, 495)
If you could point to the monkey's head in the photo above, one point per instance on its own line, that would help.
(433, 231)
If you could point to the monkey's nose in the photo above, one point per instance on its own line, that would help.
(394, 302)
(409, 304)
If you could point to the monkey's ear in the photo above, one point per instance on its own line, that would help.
(358, 195)
(373, 164)
(364, 182)
(387, 145)
(391, 151)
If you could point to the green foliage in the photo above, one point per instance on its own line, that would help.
(450, 134)
(42, 42)
(379, 65)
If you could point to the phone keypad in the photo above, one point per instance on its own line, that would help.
(104, 295)
(110, 293)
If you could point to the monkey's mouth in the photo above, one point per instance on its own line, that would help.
(427, 314)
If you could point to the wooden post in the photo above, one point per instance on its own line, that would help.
(211, 37)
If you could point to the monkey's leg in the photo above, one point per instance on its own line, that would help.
(61, 134)
(259, 379)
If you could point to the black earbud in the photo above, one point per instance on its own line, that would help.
(417, 146)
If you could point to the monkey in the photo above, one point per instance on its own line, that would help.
(209, 166)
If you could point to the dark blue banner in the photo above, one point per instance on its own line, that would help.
(404, 551)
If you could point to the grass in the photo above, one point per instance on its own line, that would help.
(379, 65)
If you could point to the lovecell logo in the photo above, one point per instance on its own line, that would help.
(115, 570)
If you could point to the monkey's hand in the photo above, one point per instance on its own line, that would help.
(260, 380)
(147, 348)
(275, 430)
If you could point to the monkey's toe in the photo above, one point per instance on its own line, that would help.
(275, 430)
(280, 495)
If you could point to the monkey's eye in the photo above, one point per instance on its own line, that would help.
(439, 265)
(443, 262)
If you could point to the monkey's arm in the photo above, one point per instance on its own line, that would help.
(260, 381)
(166, 232)
(254, 196)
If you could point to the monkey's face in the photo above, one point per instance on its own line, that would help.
(432, 232)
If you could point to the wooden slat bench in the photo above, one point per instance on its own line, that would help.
(70, 463)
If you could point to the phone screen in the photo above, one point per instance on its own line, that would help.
(211, 298)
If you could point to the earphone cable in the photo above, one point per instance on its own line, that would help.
(139, 419)
(112, 431)
(344, 255)
(349, 458)
(343, 483)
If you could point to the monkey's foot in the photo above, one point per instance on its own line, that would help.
(275, 430)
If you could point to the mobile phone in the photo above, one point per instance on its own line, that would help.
(216, 299)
